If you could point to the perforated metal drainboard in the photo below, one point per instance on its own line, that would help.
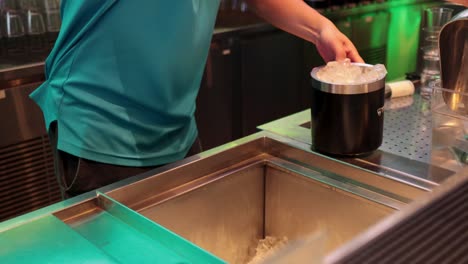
(407, 128)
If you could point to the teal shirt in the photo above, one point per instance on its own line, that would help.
(123, 76)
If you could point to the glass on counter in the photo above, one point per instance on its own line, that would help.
(449, 128)
(434, 19)
(14, 34)
(430, 69)
(28, 31)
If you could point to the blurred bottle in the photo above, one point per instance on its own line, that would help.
(353, 3)
(14, 33)
(319, 5)
(6, 5)
(34, 5)
(52, 18)
(335, 5)
(433, 20)
(51, 5)
(36, 37)
(239, 6)
(224, 5)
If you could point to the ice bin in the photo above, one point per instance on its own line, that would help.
(258, 193)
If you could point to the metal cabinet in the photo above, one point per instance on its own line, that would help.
(271, 75)
(27, 180)
(249, 79)
(216, 113)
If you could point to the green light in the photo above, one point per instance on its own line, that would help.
(403, 39)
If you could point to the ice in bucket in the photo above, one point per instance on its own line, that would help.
(345, 72)
(353, 96)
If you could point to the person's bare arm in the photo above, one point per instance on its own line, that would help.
(461, 2)
(296, 17)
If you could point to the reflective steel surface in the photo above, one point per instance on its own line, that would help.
(230, 215)
(405, 151)
(264, 185)
(429, 230)
(225, 200)
(453, 45)
(97, 231)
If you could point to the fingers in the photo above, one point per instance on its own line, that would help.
(352, 52)
(338, 47)
(354, 56)
(340, 56)
(342, 52)
(326, 53)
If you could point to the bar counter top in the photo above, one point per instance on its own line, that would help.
(406, 149)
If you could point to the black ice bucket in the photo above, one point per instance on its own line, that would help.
(347, 119)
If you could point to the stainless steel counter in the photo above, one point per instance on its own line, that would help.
(264, 185)
(405, 151)
(217, 205)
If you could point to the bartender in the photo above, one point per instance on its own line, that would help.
(123, 76)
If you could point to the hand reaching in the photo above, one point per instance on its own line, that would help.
(461, 2)
(296, 17)
(334, 45)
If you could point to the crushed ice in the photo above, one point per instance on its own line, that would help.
(267, 247)
(345, 72)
